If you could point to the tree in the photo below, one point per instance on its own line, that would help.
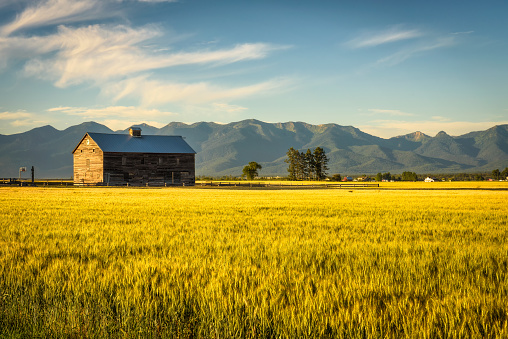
(320, 162)
(310, 165)
(307, 165)
(409, 176)
(504, 174)
(251, 170)
(496, 174)
(301, 166)
(479, 177)
(336, 177)
(292, 162)
(379, 177)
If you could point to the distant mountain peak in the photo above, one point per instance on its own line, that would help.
(415, 136)
(441, 134)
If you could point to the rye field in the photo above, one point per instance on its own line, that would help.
(239, 263)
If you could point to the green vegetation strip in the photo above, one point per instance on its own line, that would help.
(201, 263)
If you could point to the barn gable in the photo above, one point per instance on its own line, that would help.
(88, 161)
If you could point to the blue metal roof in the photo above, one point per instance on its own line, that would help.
(142, 144)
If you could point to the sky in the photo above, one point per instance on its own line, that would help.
(386, 67)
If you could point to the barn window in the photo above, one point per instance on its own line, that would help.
(161, 161)
(88, 164)
(81, 151)
(178, 161)
(142, 160)
(93, 150)
(124, 161)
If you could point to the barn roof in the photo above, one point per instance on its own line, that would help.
(145, 144)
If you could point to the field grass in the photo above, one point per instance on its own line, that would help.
(217, 263)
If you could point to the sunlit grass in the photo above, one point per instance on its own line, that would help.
(226, 263)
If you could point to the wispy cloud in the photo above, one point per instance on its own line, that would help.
(467, 32)
(155, 92)
(411, 51)
(15, 115)
(416, 42)
(127, 112)
(391, 128)
(158, 0)
(21, 119)
(117, 117)
(222, 107)
(440, 118)
(372, 39)
(392, 112)
(99, 53)
(55, 12)
(121, 60)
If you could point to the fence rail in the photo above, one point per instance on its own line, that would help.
(280, 184)
(70, 183)
(39, 182)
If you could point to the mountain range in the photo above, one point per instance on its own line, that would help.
(224, 149)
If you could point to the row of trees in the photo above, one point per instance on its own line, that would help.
(313, 166)
(307, 166)
(412, 176)
(409, 176)
(385, 176)
(496, 174)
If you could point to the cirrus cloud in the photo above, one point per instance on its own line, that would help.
(21, 118)
(373, 39)
(392, 112)
(127, 112)
(155, 92)
(55, 12)
(15, 115)
(105, 55)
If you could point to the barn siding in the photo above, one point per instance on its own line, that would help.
(151, 168)
(84, 173)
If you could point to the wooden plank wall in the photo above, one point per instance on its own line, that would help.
(90, 172)
(149, 168)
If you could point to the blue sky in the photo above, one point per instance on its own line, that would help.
(386, 67)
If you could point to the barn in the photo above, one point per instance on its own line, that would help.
(133, 159)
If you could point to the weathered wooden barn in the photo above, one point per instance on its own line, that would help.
(133, 159)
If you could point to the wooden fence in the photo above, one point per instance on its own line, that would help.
(40, 182)
(288, 184)
(285, 185)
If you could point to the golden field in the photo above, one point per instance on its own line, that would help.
(217, 263)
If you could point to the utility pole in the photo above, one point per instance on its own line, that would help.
(21, 169)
